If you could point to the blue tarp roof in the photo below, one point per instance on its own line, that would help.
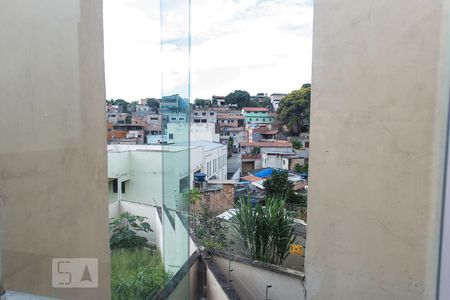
(264, 173)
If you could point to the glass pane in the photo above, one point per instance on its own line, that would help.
(175, 110)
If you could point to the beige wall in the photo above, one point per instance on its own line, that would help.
(213, 289)
(380, 74)
(250, 282)
(53, 200)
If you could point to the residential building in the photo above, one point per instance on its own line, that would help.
(275, 99)
(262, 134)
(143, 108)
(176, 133)
(232, 125)
(126, 133)
(132, 167)
(117, 118)
(174, 118)
(144, 101)
(231, 120)
(204, 131)
(257, 115)
(250, 162)
(279, 146)
(204, 116)
(173, 104)
(218, 100)
(260, 98)
(289, 162)
(275, 159)
(238, 135)
(213, 159)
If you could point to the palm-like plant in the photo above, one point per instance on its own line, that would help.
(264, 232)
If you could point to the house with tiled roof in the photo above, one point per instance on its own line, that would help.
(257, 115)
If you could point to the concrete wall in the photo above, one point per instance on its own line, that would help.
(53, 200)
(156, 236)
(218, 201)
(204, 132)
(250, 282)
(271, 160)
(379, 103)
(213, 289)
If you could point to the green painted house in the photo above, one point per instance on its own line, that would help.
(257, 115)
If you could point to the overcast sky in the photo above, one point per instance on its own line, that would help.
(258, 46)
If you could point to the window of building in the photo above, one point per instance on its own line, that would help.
(211, 114)
(170, 136)
(204, 114)
(184, 184)
(115, 187)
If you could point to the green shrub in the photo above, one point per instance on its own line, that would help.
(301, 169)
(123, 231)
(136, 274)
(297, 144)
(209, 231)
(264, 232)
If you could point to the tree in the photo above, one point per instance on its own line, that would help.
(202, 102)
(153, 103)
(294, 109)
(301, 169)
(297, 144)
(230, 145)
(123, 231)
(193, 195)
(239, 98)
(209, 231)
(265, 233)
(279, 186)
(128, 120)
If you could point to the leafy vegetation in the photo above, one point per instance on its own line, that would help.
(194, 195)
(136, 274)
(294, 109)
(297, 144)
(264, 232)
(202, 102)
(279, 186)
(123, 231)
(301, 169)
(153, 103)
(122, 104)
(239, 98)
(209, 231)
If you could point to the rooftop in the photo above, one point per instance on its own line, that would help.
(255, 109)
(266, 144)
(150, 148)
(251, 178)
(263, 130)
(230, 116)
